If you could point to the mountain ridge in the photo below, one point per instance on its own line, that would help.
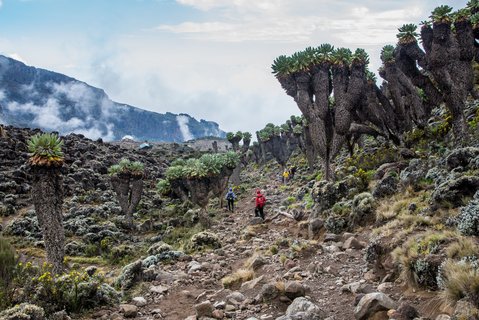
(39, 98)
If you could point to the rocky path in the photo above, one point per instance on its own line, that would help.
(285, 265)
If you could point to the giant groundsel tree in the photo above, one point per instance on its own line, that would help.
(46, 161)
(340, 100)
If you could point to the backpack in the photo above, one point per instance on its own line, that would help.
(261, 200)
(230, 196)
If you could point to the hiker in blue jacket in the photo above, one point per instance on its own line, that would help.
(231, 197)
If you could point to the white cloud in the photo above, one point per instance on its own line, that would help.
(183, 124)
(15, 56)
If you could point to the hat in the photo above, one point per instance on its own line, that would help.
(231, 189)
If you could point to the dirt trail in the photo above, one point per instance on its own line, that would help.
(322, 267)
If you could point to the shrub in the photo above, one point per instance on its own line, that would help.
(8, 262)
(460, 279)
(468, 219)
(73, 291)
(163, 186)
(418, 258)
(336, 224)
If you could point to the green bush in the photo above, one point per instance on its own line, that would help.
(73, 291)
(206, 165)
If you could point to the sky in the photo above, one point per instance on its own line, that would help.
(208, 58)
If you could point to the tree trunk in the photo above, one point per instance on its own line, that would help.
(47, 196)
(327, 169)
(128, 190)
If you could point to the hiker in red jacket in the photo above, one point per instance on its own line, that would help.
(260, 202)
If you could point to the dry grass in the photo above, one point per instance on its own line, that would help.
(463, 247)
(240, 276)
(460, 280)
(416, 247)
(281, 286)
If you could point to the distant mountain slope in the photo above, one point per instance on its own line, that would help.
(38, 98)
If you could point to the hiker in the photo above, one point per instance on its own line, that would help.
(292, 171)
(285, 176)
(260, 202)
(231, 197)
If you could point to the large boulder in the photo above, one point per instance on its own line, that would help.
(461, 157)
(372, 303)
(303, 309)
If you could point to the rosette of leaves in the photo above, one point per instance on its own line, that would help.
(341, 56)
(46, 150)
(298, 129)
(163, 186)
(360, 57)
(442, 14)
(247, 136)
(371, 76)
(127, 167)
(324, 52)
(461, 15)
(267, 132)
(387, 54)
(473, 6)
(425, 23)
(407, 33)
(475, 20)
(282, 66)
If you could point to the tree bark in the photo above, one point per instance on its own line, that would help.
(47, 196)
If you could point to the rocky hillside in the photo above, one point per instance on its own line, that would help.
(384, 241)
(37, 98)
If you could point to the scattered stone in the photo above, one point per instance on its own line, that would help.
(236, 296)
(139, 301)
(159, 289)
(385, 286)
(252, 283)
(258, 262)
(353, 243)
(294, 289)
(256, 221)
(129, 310)
(204, 309)
(303, 308)
(268, 292)
(315, 227)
